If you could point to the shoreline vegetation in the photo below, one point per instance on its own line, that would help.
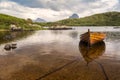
(12, 23)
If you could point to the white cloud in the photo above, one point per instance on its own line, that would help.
(104, 6)
(17, 10)
(52, 10)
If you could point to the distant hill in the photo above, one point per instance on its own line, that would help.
(7, 20)
(103, 19)
(74, 16)
(39, 20)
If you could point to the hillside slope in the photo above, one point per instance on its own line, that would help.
(7, 20)
(103, 19)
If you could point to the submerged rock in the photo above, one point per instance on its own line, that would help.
(7, 47)
(13, 46)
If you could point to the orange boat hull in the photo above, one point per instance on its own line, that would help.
(93, 37)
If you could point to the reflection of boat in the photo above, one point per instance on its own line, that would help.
(92, 37)
(93, 52)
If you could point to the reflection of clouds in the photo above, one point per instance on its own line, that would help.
(113, 36)
(74, 34)
(63, 41)
(113, 49)
(113, 45)
(100, 29)
(45, 37)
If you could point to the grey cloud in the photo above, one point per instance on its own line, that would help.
(118, 6)
(56, 5)
(30, 3)
(89, 1)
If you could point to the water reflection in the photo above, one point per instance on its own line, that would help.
(46, 51)
(7, 36)
(73, 34)
(91, 53)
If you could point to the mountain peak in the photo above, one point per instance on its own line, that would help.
(74, 16)
(40, 20)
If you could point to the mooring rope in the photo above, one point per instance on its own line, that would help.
(103, 70)
(49, 73)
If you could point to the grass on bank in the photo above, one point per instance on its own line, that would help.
(7, 20)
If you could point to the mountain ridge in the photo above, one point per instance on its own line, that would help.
(74, 16)
(101, 19)
(39, 20)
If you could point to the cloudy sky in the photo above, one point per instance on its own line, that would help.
(52, 10)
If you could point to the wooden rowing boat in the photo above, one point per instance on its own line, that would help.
(92, 37)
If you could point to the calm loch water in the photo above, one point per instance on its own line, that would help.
(59, 55)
